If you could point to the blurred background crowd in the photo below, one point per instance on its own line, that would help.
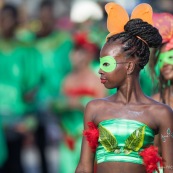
(49, 61)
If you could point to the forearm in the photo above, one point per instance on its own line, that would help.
(84, 169)
(168, 169)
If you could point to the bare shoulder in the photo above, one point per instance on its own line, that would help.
(93, 107)
(95, 104)
(162, 112)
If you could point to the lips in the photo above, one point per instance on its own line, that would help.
(103, 80)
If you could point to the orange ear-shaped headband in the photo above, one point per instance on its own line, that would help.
(118, 17)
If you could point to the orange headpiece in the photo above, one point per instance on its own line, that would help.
(118, 17)
(164, 23)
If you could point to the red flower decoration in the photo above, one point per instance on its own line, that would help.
(82, 40)
(151, 159)
(92, 135)
(164, 23)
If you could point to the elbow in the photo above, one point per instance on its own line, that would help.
(78, 170)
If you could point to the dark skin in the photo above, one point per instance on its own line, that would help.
(8, 24)
(128, 100)
(47, 21)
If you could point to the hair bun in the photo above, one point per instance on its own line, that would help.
(145, 31)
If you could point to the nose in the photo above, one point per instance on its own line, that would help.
(165, 64)
(100, 71)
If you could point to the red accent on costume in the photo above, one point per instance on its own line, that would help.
(81, 92)
(70, 142)
(151, 159)
(81, 39)
(164, 23)
(92, 135)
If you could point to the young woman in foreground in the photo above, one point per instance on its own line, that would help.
(119, 130)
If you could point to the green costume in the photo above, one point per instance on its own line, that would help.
(127, 138)
(72, 124)
(16, 80)
(54, 50)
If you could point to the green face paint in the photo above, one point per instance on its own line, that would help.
(107, 63)
(165, 58)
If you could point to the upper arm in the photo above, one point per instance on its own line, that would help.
(86, 163)
(166, 139)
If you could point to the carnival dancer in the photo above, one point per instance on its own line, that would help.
(119, 130)
(79, 87)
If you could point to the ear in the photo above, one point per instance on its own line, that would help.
(130, 67)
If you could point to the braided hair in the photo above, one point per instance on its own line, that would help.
(137, 38)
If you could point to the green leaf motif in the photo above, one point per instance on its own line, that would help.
(135, 141)
(107, 139)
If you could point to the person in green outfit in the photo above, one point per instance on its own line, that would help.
(77, 92)
(54, 47)
(15, 84)
(119, 130)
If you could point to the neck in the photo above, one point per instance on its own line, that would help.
(45, 31)
(130, 91)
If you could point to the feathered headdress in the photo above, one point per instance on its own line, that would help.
(164, 23)
(118, 17)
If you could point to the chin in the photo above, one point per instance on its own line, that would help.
(167, 72)
(110, 87)
(168, 77)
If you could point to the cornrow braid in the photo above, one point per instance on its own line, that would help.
(137, 38)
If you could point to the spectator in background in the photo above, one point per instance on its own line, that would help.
(15, 83)
(54, 47)
(80, 86)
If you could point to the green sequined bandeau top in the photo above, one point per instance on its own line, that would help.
(121, 140)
